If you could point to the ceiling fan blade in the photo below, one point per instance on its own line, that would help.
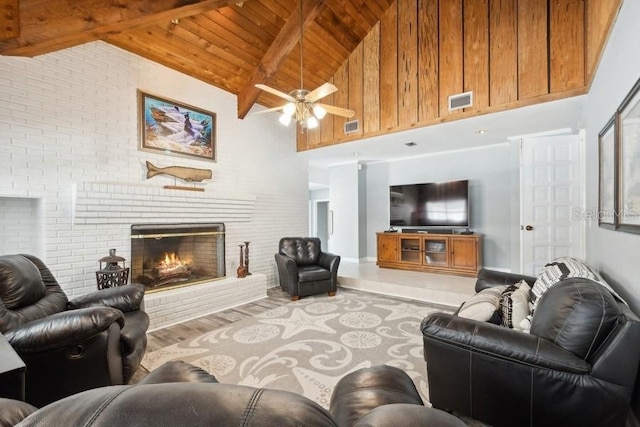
(338, 111)
(269, 110)
(275, 92)
(320, 92)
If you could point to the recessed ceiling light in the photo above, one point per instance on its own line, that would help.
(410, 144)
(355, 154)
(481, 131)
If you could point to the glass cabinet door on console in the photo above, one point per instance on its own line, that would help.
(435, 251)
(410, 250)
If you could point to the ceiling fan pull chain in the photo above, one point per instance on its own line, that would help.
(301, 48)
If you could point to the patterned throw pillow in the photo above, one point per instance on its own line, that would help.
(560, 269)
(514, 305)
(506, 306)
(483, 305)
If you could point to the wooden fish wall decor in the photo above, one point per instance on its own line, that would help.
(187, 174)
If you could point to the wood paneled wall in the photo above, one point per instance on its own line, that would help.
(510, 53)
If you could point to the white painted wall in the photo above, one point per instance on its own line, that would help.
(70, 118)
(363, 194)
(377, 205)
(345, 199)
(493, 177)
(614, 253)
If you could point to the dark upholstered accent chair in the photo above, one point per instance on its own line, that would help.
(69, 346)
(304, 269)
(576, 367)
(178, 394)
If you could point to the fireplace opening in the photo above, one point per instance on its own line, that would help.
(172, 255)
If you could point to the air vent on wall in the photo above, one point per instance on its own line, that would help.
(461, 100)
(351, 126)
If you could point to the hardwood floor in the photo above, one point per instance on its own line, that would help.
(193, 328)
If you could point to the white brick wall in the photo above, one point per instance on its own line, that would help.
(181, 304)
(68, 121)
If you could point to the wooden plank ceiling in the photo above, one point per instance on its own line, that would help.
(226, 44)
(395, 62)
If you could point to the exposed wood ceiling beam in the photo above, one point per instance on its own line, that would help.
(47, 26)
(282, 45)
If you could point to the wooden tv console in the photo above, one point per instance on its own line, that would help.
(436, 253)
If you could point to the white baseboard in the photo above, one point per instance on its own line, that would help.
(353, 260)
(504, 270)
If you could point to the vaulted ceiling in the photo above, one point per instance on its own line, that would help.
(395, 62)
(231, 45)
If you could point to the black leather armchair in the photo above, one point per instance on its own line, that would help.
(576, 367)
(304, 269)
(69, 346)
(179, 394)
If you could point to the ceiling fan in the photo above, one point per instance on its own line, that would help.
(302, 105)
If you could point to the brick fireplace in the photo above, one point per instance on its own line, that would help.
(166, 256)
(172, 212)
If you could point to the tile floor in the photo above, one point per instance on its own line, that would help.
(443, 289)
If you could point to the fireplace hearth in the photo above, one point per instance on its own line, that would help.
(166, 256)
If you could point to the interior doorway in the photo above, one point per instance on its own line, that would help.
(551, 198)
(322, 223)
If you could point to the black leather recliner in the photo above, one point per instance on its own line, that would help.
(304, 269)
(179, 394)
(576, 367)
(69, 346)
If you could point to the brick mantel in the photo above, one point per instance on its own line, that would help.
(117, 203)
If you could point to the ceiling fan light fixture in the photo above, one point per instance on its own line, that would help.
(319, 111)
(285, 119)
(312, 122)
(301, 104)
(289, 109)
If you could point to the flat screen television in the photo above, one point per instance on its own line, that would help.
(438, 205)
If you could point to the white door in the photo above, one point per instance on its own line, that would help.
(551, 194)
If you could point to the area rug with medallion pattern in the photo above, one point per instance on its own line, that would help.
(306, 346)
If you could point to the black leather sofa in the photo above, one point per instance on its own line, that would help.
(576, 367)
(69, 346)
(303, 269)
(179, 394)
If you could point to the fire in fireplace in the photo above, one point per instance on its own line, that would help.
(171, 255)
